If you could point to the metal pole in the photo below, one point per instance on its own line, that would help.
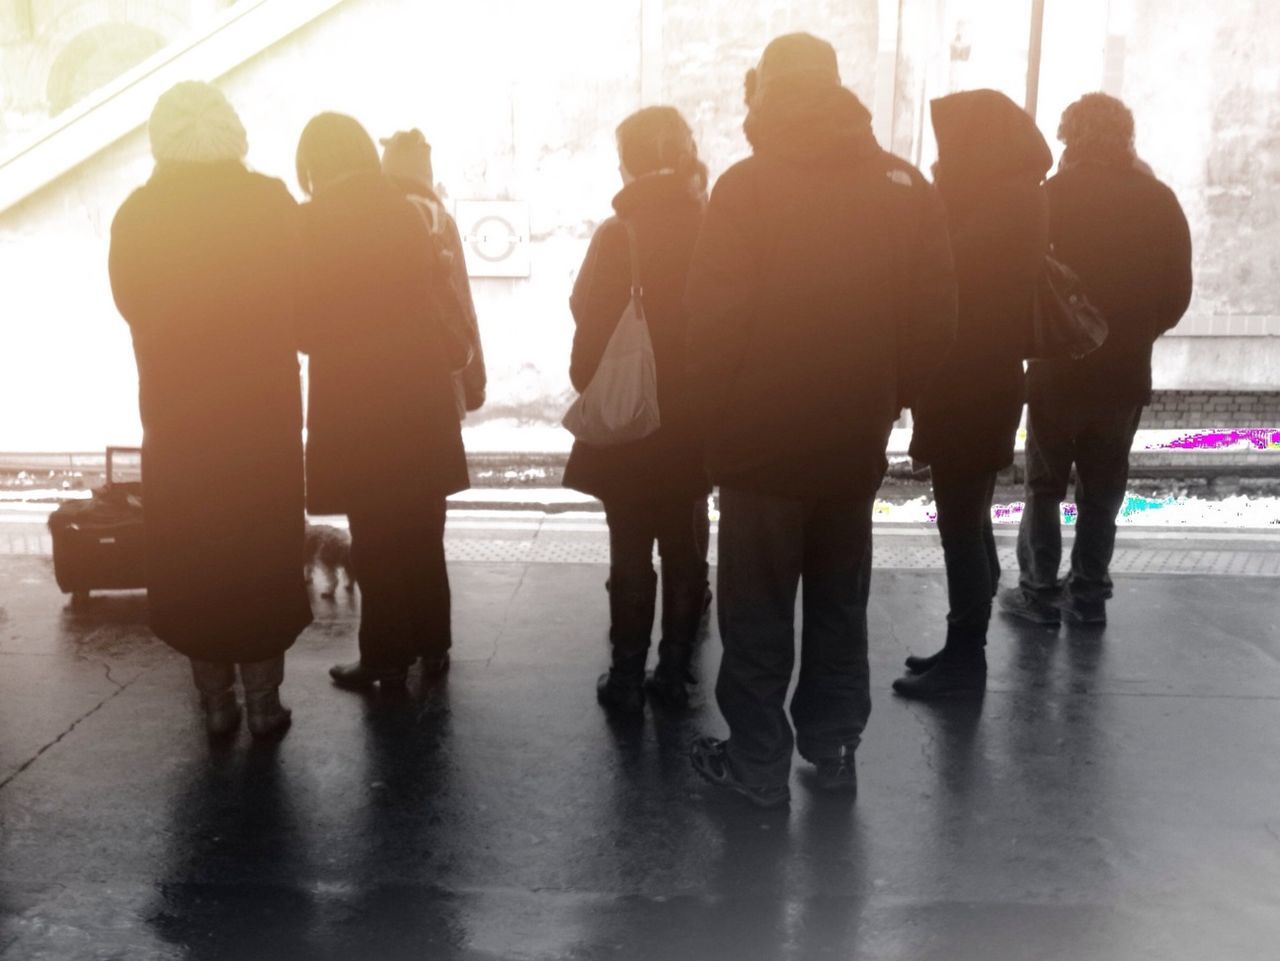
(1033, 56)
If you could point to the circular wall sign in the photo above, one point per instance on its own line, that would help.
(493, 238)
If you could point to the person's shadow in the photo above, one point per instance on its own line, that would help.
(236, 851)
(407, 839)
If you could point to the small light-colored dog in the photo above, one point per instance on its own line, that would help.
(329, 549)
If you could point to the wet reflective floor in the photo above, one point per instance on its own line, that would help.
(1116, 795)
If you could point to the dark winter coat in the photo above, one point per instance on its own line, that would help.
(991, 161)
(666, 211)
(382, 423)
(821, 297)
(1125, 234)
(203, 263)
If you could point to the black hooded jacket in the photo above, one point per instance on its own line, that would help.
(821, 296)
(991, 163)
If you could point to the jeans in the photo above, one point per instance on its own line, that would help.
(397, 552)
(1097, 440)
(768, 545)
(633, 529)
(969, 550)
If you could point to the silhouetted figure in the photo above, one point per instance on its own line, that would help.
(406, 159)
(1124, 233)
(992, 160)
(384, 444)
(203, 263)
(653, 488)
(821, 296)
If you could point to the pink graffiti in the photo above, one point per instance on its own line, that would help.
(1260, 438)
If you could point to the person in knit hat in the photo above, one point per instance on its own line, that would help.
(193, 122)
(202, 262)
(821, 296)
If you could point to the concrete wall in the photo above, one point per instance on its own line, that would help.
(520, 100)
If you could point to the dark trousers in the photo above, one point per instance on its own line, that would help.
(1097, 440)
(963, 500)
(633, 584)
(397, 551)
(768, 545)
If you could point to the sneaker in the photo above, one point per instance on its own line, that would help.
(837, 774)
(1081, 610)
(1027, 606)
(711, 760)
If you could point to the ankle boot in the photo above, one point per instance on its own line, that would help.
(266, 715)
(957, 673)
(621, 688)
(216, 684)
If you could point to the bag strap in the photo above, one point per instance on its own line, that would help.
(637, 289)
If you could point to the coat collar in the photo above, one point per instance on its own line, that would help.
(657, 189)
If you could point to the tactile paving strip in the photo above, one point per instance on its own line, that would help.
(536, 542)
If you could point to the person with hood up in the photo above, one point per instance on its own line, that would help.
(406, 159)
(204, 262)
(992, 160)
(653, 489)
(821, 297)
(1124, 233)
(384, 444)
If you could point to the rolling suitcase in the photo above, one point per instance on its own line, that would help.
(97, 543)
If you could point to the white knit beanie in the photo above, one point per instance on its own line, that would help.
(193, 122)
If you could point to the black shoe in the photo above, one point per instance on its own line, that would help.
(837, 774)
(710, 759)
(358, 677)
(620, 695)
(918, 665)
(1078, 610)
(1027, 606)
(949, 677)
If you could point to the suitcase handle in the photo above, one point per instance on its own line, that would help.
(111, 453)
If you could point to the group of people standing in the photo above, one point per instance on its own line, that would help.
(824, 286)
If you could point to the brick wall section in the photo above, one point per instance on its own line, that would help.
(1199, 409)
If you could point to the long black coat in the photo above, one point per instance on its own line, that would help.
(204, 260)
(991, 161)
(665, 211)
(821, 296)
(1124, 233)
(382, 422)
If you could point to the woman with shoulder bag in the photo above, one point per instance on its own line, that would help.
(652, 488)
(384, 445)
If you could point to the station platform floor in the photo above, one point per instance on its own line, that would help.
(1115, 795)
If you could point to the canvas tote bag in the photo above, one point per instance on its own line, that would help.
(620, 404)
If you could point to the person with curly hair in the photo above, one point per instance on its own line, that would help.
(1124, 233)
